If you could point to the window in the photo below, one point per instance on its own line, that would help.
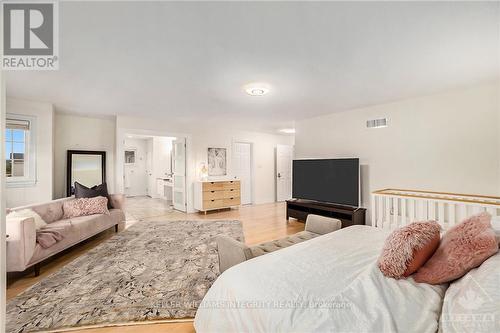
(19, 150)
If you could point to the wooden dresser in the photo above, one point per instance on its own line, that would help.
(212, 195)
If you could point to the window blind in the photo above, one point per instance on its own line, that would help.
(18, 124)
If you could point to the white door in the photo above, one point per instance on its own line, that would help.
(149, 173)
(242, 169)
(284, 157)
(179, 177)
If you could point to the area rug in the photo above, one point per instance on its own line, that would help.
(151, 271)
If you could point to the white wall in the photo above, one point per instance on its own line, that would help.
(43, 189)
(82, 133)
(445, 142)
(199, 138)
(263, 158)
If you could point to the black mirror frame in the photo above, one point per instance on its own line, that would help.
(69, 165)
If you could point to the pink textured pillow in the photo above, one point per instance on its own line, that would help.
(463, 247)
(85, 206)
(407, 248)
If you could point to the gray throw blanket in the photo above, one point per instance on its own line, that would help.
(47, 237)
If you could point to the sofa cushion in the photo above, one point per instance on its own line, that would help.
(85, 206)
(50, 212)
(87, 226)
(26, 213)
(82, 191)
(70, 237)
(267, 247)
(78, 229)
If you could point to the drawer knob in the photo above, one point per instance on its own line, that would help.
(212, 191)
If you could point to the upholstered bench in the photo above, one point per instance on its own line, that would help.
(231, 252)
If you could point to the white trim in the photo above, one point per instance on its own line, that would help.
(30, 177)
(3, 242)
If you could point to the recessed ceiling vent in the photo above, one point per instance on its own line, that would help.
(377, 123)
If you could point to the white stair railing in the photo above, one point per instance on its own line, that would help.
(393, 208)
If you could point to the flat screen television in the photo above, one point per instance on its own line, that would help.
(327, 180)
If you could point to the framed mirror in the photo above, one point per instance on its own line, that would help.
(130, 156)
(86, 167)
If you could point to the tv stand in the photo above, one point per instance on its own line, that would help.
(349, 215)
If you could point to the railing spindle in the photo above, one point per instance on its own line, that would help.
(394, 208)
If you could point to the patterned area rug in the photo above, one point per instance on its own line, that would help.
(150, 271)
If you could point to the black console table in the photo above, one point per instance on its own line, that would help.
(349, 215)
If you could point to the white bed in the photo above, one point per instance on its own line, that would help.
(328, 284)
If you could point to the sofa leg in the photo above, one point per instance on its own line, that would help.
(116, 227)
(37, 270)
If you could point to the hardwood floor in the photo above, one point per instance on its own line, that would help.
(260, 223)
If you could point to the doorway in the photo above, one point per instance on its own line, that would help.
(151, 168)
(284, 158)
(135, 167)
(242, 169)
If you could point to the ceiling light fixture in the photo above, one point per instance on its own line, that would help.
(256, 89)
(288, 130)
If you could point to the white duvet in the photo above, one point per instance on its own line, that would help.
(327, 284)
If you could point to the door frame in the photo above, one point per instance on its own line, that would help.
(120, 160)
(252, 166)
(184, 187)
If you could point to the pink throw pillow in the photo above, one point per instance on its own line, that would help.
(408, 248)
(85, 206)
(463, 247)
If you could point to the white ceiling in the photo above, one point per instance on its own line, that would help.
(188, 61)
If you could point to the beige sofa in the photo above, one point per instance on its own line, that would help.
(231, 252)
(22, 249)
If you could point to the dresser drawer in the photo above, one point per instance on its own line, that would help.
(213, 186)
(211, 195)
(213, 204)
(231, 185)
(228, 202)
(232, 193)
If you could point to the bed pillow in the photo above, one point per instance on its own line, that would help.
(470, 303)
(26, 213)
(408, 248)
(85, 206)
(463, 247)
(82, 191)
(495, 224)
